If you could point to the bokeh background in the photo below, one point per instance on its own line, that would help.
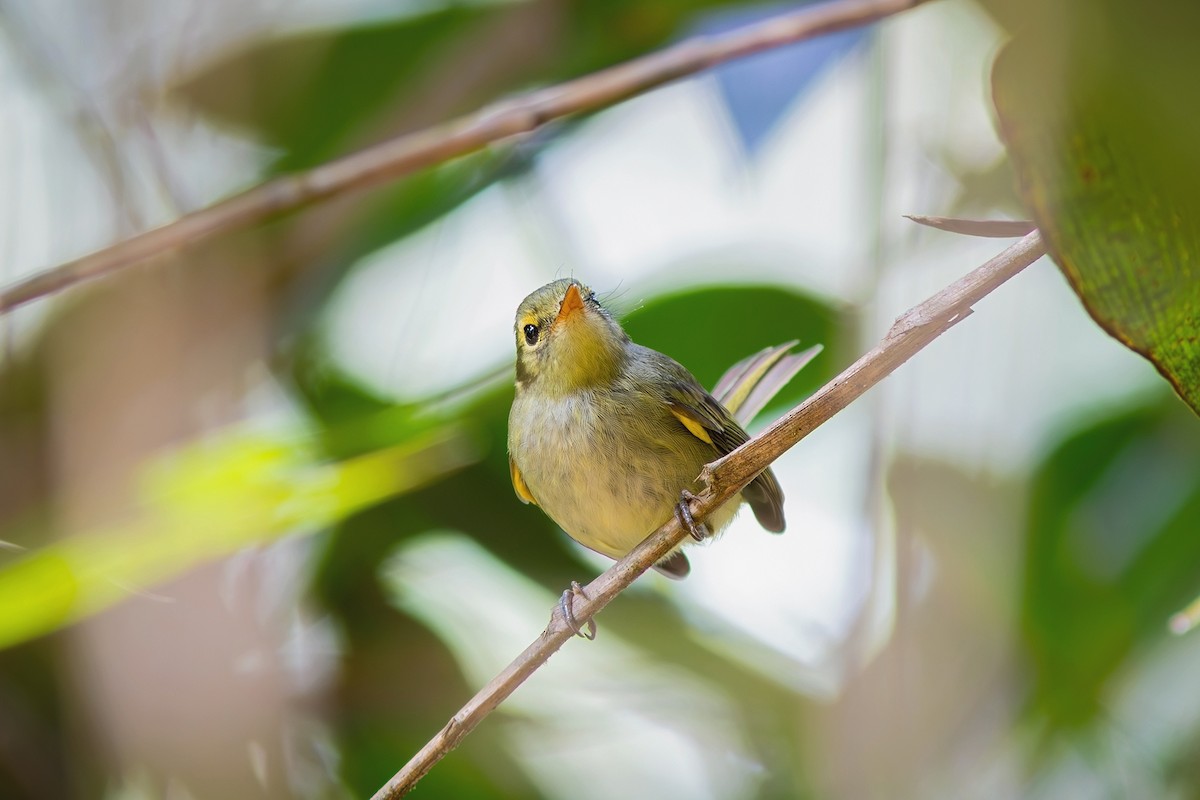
(257, 536)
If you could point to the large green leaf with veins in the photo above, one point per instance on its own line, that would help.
(1100, 107)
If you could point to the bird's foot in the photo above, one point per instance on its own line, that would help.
(683, 513)
(564, 605)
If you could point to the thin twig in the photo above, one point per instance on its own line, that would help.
(989, 228)
(405, 154)
(726, 477)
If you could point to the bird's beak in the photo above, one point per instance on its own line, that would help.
(572, 303)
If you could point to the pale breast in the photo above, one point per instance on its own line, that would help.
(608, 479)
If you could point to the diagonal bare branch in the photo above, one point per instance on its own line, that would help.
(724, 478)
(406, 154)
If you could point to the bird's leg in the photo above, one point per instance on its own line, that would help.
(683, 513)
(564, 605)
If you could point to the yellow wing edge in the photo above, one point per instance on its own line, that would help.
(519, 486)
(696, 429)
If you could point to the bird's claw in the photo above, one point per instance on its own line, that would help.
(564, 605)
(683, 512)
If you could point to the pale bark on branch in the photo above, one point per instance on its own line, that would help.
(724, 478)
(403, 155)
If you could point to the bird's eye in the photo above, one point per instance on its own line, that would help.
(531, 334)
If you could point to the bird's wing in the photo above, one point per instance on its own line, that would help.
(707, 420)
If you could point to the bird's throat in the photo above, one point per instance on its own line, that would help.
(586, 355)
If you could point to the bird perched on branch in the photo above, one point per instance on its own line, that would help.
(608, 437)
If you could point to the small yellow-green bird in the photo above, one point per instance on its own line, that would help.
(606, 435)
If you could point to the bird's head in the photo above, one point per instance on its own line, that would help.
(566, 340)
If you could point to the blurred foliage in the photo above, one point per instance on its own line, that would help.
(676, 324)
(1099, 106)
(204, 502)
(759, 89)
(916, 706)
(1083, 92)
(1111, 551)
(310, 94)
(307, 94)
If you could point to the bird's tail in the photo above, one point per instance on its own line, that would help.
(747, 386)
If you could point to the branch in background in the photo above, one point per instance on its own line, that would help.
(405, 154)
(726, 477)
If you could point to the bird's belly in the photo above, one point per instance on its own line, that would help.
(609, 519)
(608, 486)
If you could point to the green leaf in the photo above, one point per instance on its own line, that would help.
(711, 328)
(308, 93)
(1111, 551)
(1100, 107)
